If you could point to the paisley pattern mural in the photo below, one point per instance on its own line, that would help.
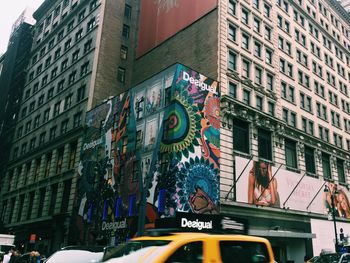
(158, 142)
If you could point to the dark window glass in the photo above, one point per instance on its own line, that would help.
(241, 136)
(291, 153)
(243, 252)
(326, 166)
(264, 144)
(190, 252)
(340, 169)
(310, 160)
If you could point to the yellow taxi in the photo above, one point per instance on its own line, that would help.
(192, 247)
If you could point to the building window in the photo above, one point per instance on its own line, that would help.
(232, 33)
(123, 52)
(271, 108)
(233, 89)
(30, 204)
(245, 16)
(232, 7)
(341, 172)
(72, 155)
(53, 132)
(121, 75)
(326, 166)
(64, 126)
(126, 31)
(241, 136)
(291, 153)
(77, 120)
(246, 97)
(87, 45)
(259, 103)
(245, 68)
(65, 196)
(81, 93)
(264, 144)
(59, 162)
(91, 24)
(84, 69)
(310, 160)
(127, 12)
(232, 61)
(53, 200)
(41, 201)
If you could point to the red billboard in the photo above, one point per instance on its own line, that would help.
(161, 19)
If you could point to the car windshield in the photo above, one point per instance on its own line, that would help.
(75, 256)
(328, 258)
(132, 246)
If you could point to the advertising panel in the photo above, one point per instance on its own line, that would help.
(265, 185)
(161, 19)
(170, 141)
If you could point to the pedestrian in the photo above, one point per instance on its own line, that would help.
(15, 256)
(7, 256)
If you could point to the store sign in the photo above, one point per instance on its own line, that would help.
(202, 223)
(114, 226)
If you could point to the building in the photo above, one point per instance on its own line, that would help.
(345, 4)
(12, 77)
(283, 73)
(81, 54)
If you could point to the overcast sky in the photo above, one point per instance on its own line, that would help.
(9, 12)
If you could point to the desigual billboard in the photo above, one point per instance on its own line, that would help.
(161, 19)
(262, 184)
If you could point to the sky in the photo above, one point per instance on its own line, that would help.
(9, 12)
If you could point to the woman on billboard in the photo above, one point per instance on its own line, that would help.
(262, 187)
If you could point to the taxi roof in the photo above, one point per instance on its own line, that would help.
(175, 236)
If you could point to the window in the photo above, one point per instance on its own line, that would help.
(42, 137)
(67, 44)
(57, 107)
(232, 7)
(91, 24)
(81, 93)
(71, 78)
(256, 25)
(245, 68)
(341, 172)
(269, 81)
(257, 49)
(232, 33)
(245, 41)
(233, 89)
(126, 31)
(246, 97)
(121, 75)
(76, 120)
(123, 52)
(245, 16)
(271, 108)
(65, 197)
(53, 198)
(59, 162)
(46, 115)
(41, 201)
(258, 75)
(78, 35)
(190, 252)
(241, 136)
(268, 56)
(30, 204)
(81, 15)
(326, 166)
(267, 10)
(75, 56)
(264, 144)
(84, 69)
(310, 160)
(53, 132)
(232, 60)
(72, 155)
(259, 103)
(127, 12)
(64, 126)
(48, 160)
(68, 102)
(87, 45)
(291, 153)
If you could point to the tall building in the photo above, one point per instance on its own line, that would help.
(282, 68)
(81, 54)
(12, 78)
(345, 4)
(283, 73)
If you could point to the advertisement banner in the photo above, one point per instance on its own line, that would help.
(161, 19)
(262, 184)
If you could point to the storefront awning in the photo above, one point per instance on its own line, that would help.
(280, 233)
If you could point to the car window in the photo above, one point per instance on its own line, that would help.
(243, 252)
(191, 252)
(345, 259)
(132, 246)
(75, 256)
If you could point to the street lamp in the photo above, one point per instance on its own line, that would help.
(333, 194)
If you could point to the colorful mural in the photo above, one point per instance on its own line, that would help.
(164, 143)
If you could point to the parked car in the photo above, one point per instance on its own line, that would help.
(331, 258)
(193, 247)
(77, 254)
